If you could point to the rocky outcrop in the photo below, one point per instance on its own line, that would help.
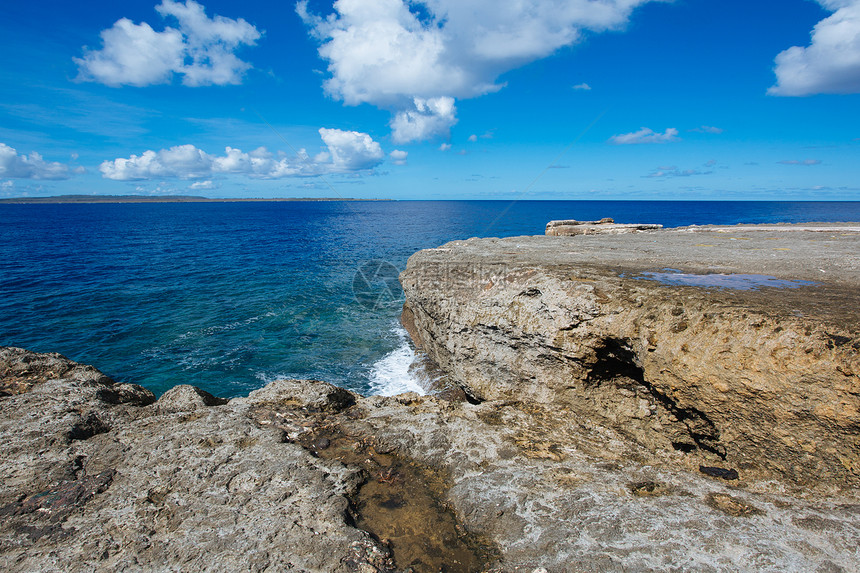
(304, 476)
(19, 371)
(744, 354)
(187, 483)
(607, 226)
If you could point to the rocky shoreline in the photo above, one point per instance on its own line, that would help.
(737, 348)
(620, 417)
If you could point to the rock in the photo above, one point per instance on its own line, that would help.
(572, 511)
(731, 505)
(647, 489)
(130, 394)
(185, 397)
(311, 394)
(20, 370)
(89, 482)
(721, 473)
(605, 226)
(226, 488)
(760, 378)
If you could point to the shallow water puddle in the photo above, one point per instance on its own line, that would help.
(722, 280)
(401, 504)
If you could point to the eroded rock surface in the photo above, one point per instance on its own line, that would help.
(89, 482)
(271, 482)
(607, 226)
(638, 333)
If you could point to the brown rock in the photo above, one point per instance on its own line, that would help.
(761, 378)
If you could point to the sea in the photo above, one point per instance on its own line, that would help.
(229, 296)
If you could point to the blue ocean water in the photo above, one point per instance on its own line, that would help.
(229, 296)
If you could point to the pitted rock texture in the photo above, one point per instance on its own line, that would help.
(20, 370)
(182, 486)
(90, 480)
(765, 381)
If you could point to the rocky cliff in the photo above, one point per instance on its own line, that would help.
(733, 347)
(577, 453)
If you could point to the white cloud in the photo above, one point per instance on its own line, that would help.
(398, 157)
(665, 172)
(346, 152)
(645, 135)
(708, 129)
(351, 150)
(583, 86)
(831, 63)
(31, 166)
(473, 138)
(392, 53)
(202, 185)
(428, 118)
(445, 147)
(201, 50)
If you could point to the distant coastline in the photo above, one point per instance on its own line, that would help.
(164, 199)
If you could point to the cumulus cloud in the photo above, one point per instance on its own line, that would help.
(346, 152)
(351, 150)
(201, 50)
(645, 135)
(33, 166)
(831, 62)
(202, 185)
(445, 147)
(804, 162)
(473, 138)
(393, 53)
(583, 87)
(398, 157)
(428, 118)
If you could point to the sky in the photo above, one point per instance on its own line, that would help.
(432, 99)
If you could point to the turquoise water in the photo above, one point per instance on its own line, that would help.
(228, 296)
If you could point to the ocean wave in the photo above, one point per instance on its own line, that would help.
(392, 374)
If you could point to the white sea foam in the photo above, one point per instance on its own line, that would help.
(392, 375)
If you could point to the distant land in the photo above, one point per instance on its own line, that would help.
(162, 199)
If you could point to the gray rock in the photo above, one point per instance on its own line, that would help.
(312, 394)
(185, 397)
(21, 369)
(225, 488)
(92, 481)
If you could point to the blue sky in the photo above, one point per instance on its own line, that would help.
(432, 99)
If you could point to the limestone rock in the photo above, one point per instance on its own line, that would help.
(186, 397)
(312, 394)
(762, 380)
(21, 369)
(271, 483)
(90, 480)
(605, 226)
